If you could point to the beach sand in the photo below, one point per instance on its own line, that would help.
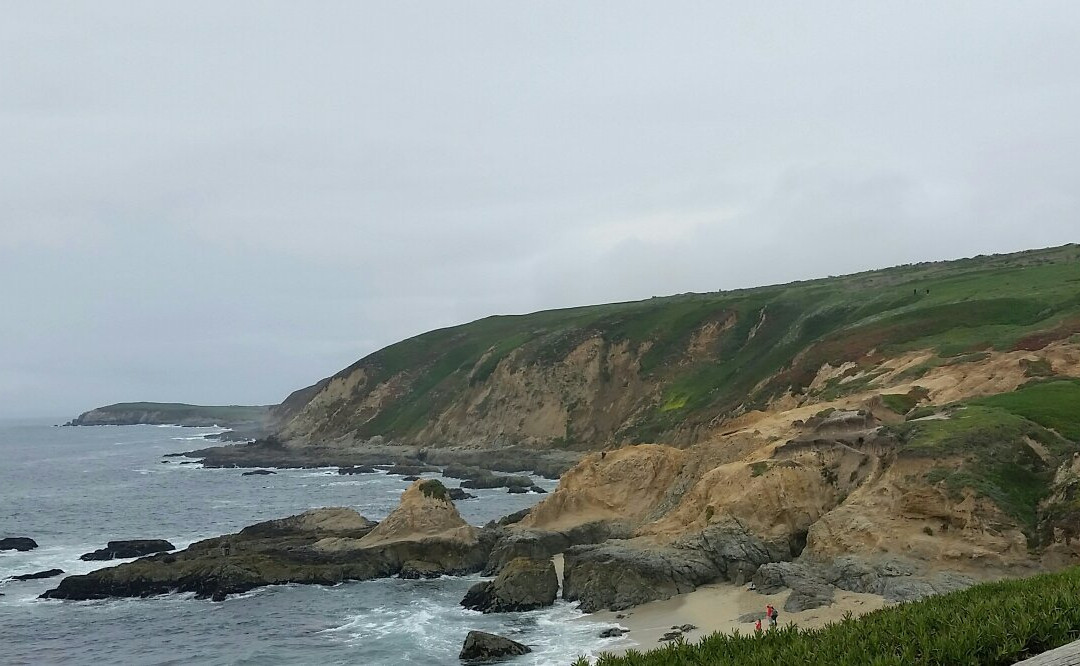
(717, 607)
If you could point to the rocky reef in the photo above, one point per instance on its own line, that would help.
(322, 546)
(17, 543)
(118, 550)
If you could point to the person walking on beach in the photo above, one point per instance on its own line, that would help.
(771, 613)
(757, 626)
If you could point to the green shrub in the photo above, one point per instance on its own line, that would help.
(991, 624)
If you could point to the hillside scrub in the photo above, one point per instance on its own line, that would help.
(985, 625)
(998, 460)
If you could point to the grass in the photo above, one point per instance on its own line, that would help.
(986, 625)
(1053, 404)
(435, 489)
(995, 458)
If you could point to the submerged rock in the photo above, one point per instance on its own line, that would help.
(40, 574)
(523, 585)
(356, 469)
(258, 472)
(481, 647)
(117, 550)
(613, 632)
(18, 543)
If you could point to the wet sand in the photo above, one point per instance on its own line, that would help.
(718, 607)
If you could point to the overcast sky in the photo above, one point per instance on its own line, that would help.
(221, 202)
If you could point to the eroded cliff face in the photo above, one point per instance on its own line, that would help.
(961, 486)
(587, 396)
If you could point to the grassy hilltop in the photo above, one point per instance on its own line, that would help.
(659, 370)
(173, 413)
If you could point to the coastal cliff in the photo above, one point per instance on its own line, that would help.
(684, 369)
(899, 432)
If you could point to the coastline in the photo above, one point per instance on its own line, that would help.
(717, 608)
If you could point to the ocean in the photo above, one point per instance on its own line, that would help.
(73, 489)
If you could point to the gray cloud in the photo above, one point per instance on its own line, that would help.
(221, 202)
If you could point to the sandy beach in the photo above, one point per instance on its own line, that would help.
(718, 607)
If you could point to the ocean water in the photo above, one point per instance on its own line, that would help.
(73, 489)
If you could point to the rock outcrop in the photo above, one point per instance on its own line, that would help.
(481, 647)
(619, 574)
(356, 469)
(118, 550)
(814, 583)
(17, 543)
(543, 544)
(523, 584)
(322, 546)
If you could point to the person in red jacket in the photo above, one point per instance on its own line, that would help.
(757, 626)
(771, 613)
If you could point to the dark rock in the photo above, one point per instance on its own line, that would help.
(800, 600)
(356, 469)
(258, 472)
(125, 549)
(522, 585)
(415, 569)
(518, 490)
(671, 635)
(486, 479)
(481, 647)
(751, 617)
(164, 462)
(515, 517)
(685, 628)
(537, 489)
(411, 470)
(456, 471)
(41, 574)
(809, 588)
(459, 494)
(188, 462)
(620, 574)
(813, 583)
(411, 477)
(173, 455)
(18, 543)
(542, 544)
(613, 632)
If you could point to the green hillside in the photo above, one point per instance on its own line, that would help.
(769, 340)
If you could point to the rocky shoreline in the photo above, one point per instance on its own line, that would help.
(269, 452)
